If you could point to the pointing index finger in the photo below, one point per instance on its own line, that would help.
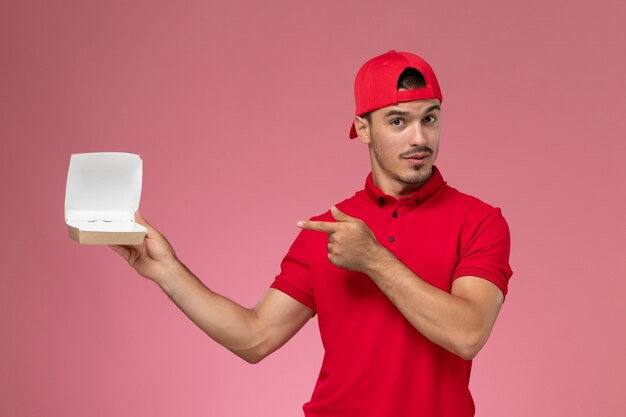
(327, 227)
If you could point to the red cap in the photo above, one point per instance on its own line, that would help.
(376, 83)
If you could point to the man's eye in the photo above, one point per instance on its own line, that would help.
(430, 119)
(396, 122)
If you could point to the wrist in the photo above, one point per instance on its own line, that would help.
(379, 261)
(171, 271)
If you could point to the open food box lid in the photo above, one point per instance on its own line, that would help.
(101, 197)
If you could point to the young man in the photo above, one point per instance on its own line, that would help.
(407, 276)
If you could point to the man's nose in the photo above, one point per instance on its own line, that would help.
(417, 137)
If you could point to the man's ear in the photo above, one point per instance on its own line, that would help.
(362, 128)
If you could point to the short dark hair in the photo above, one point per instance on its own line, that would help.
(409, 79)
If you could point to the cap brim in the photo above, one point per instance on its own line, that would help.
(353, 132)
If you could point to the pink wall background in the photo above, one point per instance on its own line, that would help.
(241, 111)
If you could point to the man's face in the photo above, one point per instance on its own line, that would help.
(403, 140)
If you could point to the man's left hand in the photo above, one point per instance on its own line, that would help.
(351, 244)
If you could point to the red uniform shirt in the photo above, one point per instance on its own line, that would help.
(375, 362)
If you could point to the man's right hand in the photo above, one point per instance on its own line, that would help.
(251, 333)
(154, 259)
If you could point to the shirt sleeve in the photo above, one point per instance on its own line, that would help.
(294, 278)
(485, 249)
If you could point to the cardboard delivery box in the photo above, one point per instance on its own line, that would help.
(101, 197)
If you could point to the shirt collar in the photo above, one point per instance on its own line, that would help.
(424, 191)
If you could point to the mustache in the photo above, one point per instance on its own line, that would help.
(416, 150)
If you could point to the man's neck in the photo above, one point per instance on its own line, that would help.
(397, 188)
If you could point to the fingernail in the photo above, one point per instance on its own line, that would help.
(300, 224)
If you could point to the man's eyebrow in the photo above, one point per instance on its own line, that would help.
(406, 113)
(397, 113)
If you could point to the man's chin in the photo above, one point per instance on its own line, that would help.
(420, 174)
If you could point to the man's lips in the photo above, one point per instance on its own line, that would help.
(418, 156)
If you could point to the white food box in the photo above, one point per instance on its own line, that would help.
(101, 196)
